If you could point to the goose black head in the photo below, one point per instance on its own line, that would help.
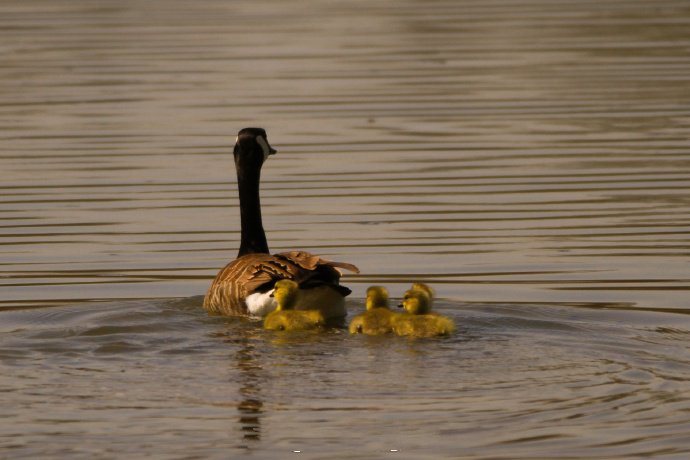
(252, 147)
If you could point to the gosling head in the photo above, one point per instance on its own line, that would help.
(423, 287)
(377, 297)
(285, 293)
(252, 148)
(416, 302)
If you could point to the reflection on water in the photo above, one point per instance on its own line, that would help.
(250, 408)
(528, 159)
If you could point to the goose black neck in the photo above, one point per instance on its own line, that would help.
(253, 239)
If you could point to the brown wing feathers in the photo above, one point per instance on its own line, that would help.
(259, 272)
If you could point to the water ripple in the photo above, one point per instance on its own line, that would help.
(528, 159)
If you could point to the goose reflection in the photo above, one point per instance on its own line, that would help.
(247, 373)
(251, 405)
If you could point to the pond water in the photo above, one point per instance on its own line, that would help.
(529, 159)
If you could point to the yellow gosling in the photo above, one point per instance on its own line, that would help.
(418, 319)
(417, 301)
(284, 318)
(423, 287)
(377, 319)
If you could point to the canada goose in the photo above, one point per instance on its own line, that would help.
(284, 318)
(243, 287)
(377, 319)
(418, 319)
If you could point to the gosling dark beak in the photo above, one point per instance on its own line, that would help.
(401, 306)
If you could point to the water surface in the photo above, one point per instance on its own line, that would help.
(529, 159)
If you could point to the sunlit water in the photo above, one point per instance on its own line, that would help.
(530, 160)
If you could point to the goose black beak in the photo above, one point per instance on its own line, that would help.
(272, 151)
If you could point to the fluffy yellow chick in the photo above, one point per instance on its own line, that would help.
(284, 318)
(377, 319)
(418, 319)
(424, 287)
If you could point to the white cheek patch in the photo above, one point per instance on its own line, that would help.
(264, 146)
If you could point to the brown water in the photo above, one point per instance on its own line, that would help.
(528, 159)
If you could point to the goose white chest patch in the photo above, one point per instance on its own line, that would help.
(261, 304)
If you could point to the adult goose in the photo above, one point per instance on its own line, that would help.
(244, 287)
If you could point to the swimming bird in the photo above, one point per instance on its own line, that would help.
(377, 319)
(426, 288)
(284, 318)
(418, 319)
(243, 287)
